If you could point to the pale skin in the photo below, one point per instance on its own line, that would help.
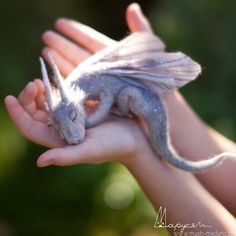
(188, 198)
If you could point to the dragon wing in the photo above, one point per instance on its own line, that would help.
(121, 49)
(161, 71)
(139, 59)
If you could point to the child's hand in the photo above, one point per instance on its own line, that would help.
(68, 54)
(117, 139)
(30, 116)
(111, 140)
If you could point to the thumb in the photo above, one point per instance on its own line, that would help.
(69, 155)
(59, 156)
(136, 19)
(91, 150)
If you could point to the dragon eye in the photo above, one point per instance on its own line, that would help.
(73, 115)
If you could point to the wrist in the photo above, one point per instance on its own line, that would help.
(143, 158)
(184, 124)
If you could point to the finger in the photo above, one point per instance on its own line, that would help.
(64, 65)
(69, 50)
(41, 115)
(40, 98)
(136, 19)
(33, 130)
(69, 155)
(85, 36)
(27, 97)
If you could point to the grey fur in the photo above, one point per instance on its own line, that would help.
(131, 76)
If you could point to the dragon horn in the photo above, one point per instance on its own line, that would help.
(48, 90)
(57, 77)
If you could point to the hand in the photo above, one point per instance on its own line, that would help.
(30, 116)
(28, 111)
(68, 55)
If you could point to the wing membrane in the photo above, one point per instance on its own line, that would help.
(139, 59)
(161, 71)
(134, 45)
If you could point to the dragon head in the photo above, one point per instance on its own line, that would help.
(65, 105)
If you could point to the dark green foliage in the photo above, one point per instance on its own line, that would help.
(206, 31)
(69, 201)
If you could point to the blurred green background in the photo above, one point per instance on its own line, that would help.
(104, 200)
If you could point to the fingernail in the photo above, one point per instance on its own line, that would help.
(9, 99)
(136, 6)
(59, 22)
(30, 84)
(44, 163)
(47, 35)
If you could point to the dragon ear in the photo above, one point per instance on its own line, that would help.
(59, 81)
(48, 90)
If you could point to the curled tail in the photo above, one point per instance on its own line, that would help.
(154, 114)
(170, 155)
(159, 138)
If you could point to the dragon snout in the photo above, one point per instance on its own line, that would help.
(74, 141)
(74, 138)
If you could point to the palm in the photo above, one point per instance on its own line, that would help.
(112, 140)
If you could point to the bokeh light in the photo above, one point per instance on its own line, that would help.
(118, 195)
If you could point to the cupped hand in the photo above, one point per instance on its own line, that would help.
(112, 140)
(85, 41)
(29, 114)
(117, 139)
